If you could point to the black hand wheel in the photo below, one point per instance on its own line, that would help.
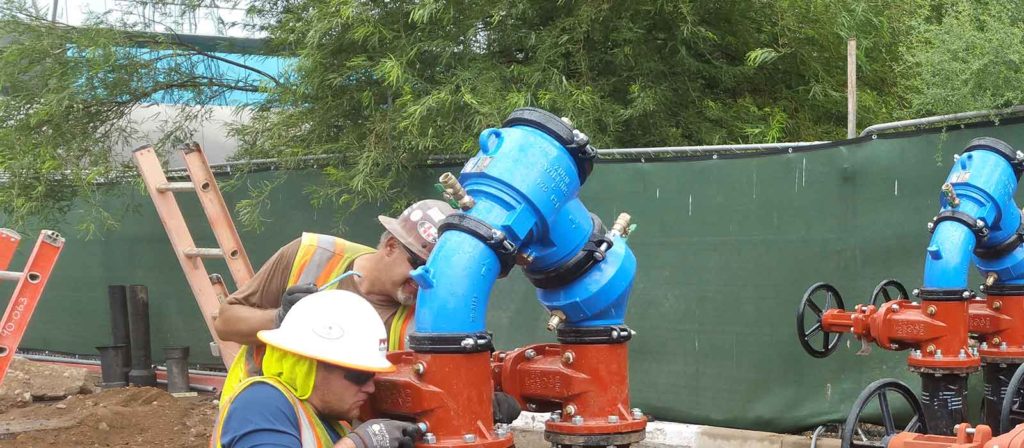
(818, 293)
(885, 291)
(1013, 406)
(879, 393)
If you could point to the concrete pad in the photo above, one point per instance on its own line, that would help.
(529, 433)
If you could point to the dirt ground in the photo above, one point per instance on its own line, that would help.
(91, 417)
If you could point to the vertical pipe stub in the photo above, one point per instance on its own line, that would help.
(113, 365)
(117, 296)
(177, 369)
(142, 373)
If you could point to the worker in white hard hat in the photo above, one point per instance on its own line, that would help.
(318, 369)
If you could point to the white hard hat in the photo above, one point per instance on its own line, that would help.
(337, 327)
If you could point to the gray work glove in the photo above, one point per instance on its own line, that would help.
(385, 433)
(506, 409)
(291, 297)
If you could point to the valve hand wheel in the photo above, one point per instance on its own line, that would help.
(808, 325)
(877, 398)
(888, 290)
(1012, 413)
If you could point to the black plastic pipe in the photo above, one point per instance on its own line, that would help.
(117, 296)
(944, 399)
(113, 365)
(997, 378)
(177, 369)
(142, 373)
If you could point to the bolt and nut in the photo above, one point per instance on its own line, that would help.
(568, 357)
(555, 416)
(1002, 347)
(577, 420)
(966, 295)
(530, 353)
(468, 343)
(613, 419)
(429, 438)
(895, 308)
(419, 367)
(996, 340)
(938, 354)
(570, 409)
(931, 310)
(963, 354)
(997, 305)
(930, 349)
(637, 413)
(469, 438)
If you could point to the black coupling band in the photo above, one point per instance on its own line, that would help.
(1003, 289)
(977, 226)
(611, 334)
(944, 295)
(1002, 249)
(451, 342)
(481, 230)
(592, 253)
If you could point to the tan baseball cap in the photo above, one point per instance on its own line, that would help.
(417, 226)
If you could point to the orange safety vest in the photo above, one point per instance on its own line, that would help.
(311, 428)
(320, 259)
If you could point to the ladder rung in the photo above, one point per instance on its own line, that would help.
(10, 276)
(175, 186)
(203, 252)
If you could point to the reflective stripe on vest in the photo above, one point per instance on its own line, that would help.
(311, 429)
(319, 260)
(398, 334)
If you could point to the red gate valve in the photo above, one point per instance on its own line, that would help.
(997, 322)
(584, 386)
(449, 393)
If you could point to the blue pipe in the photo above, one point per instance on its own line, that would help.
(525, 184)
(984, 183)
(600, 296)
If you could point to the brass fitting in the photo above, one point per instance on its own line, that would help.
(997, 305)
(453, 190)
(991, 278)
(621, 226)
(557, 316)
(931, 310)
(947, 190)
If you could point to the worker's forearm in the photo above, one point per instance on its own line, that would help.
(240, 323)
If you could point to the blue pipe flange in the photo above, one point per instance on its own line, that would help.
(577, 143)
(1015, 158)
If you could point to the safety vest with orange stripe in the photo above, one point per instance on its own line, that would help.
(320, 259)
(312, 431)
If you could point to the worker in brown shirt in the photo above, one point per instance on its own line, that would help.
(314, 261)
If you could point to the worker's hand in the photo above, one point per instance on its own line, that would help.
(506, 408)
(384, 433)
(291, 297)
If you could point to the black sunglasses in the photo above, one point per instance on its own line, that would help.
(358, 377)
(414, 260)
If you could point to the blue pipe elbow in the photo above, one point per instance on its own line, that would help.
(455, 285)
(948, 258)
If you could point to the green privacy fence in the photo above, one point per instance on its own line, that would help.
(726, 248)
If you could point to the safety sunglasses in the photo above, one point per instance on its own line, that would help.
(414, 260)
(358, 377)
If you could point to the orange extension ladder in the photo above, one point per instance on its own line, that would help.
(209, 290)
(30, 286)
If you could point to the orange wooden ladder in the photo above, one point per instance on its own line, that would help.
(209, 290)
(30, 286)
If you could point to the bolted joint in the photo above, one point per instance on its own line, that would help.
(931, 310)
(556, 319)
(429, 438)
(895, 308)
(469, 438)
(530, 353)
(419, 368)
(637, 413)
(570, 409)
(997, 305)
(996, 340)
(613, 419)
(577, 420)
(555, 416)
(930, 349)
